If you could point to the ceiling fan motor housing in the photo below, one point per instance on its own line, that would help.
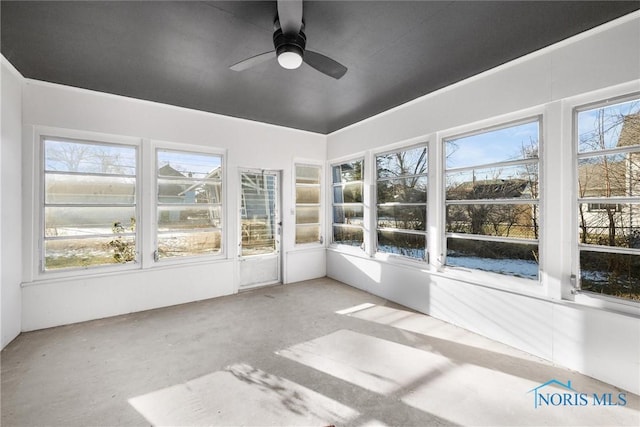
(289, 42)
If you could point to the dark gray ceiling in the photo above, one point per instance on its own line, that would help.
(179, 52)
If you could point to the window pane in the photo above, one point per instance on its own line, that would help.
(307, 234)
(347, 172)
(307, 195)
(506, 182)
(257, 237)
(513, 259)
(95, 251)
(609, 127)
(86, 221)
(500, 145)
(307, 174)
(307, 215)
(348, 193)
(188, 191)
(91, 189)
(611, 274)
(187, 217)
(71, 156)
(607, 176)
(188, 165)
(410, 245)
(352, 236)
(186, 244)
(404, 190)
(503, 220)
(348, 215)
(404, 217)
(402, 163)
(610, 224)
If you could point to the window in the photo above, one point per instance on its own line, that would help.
(308, 204)
(189, 204)
(492, 216)
(608, 183)
(89, 204)
(348, 206)
(401, 188)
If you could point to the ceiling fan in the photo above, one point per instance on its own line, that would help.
(290, 41)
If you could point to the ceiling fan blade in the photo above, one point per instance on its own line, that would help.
(254, 60)
(324, 64)
(290, 16)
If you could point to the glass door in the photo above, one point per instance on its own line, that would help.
(260, 228)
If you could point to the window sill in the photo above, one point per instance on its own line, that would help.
(500, 282)
(608, 303)
(90, 273)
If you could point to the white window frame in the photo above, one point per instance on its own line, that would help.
(579, 104)
(523, 285)
(35, 269)
(320, 203)
(153, 210)
(365, 197)
(374, 210)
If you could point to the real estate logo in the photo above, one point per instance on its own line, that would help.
(568, 396)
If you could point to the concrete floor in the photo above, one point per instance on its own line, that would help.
(314, 353)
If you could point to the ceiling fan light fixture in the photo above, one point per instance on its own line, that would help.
(289, 48)
(290, 58)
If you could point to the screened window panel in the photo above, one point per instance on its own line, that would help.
(307, 233)
(402, 190)
(89, 157)
(308, 174)
(503, 182)
(352, 215)
(180, 244)
(86, 221)
(512, 259)
(502, 220)
(609, 175)
(608, 127)
(189, 191)
(309, 195)
(86, 252)
(613, 274)
(506, 144)
(188, 217)
(307, 215)
(347, 172)
(616, 225)
(402, 217)
(179, 164)
(351, 236)
(402, 163)
(348, 193)
(405, 244)
(89, 189)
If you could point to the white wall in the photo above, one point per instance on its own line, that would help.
(49, 302)
(539, 318)
(10, 201)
